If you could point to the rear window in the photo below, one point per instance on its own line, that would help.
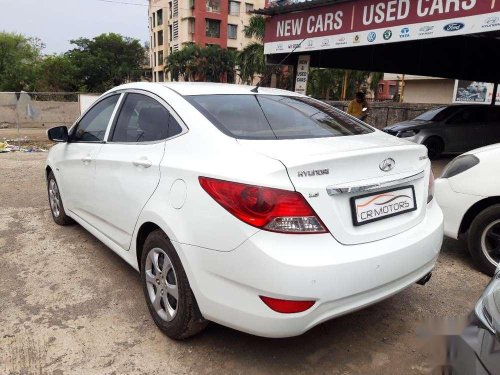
(275, 117)
(437, 114)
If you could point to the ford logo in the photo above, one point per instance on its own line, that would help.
(455, 26)
(387, 165)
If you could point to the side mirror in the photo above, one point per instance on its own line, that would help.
(58, 134)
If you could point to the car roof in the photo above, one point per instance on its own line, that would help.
(205, 88)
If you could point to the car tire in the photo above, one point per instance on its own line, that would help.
(484, 239)
(169, 297)
(435, 147)
(56, 203)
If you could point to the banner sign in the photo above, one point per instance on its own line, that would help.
(302, 74)
(365, 22)
(474, 92)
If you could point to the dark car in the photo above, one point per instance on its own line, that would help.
(452, 129)
(477, 350)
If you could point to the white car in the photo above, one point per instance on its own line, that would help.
(469, 194)
(259, 209)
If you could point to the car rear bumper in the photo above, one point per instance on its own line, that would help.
(339, 278)
(454, 206)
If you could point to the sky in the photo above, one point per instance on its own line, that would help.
(56, 22)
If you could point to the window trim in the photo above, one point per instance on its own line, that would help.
(162, 102)
(74, 127)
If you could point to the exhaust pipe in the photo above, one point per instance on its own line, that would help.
(424, 280)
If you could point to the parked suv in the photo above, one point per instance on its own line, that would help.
(268, 212)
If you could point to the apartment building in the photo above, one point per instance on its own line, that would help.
(173, 23)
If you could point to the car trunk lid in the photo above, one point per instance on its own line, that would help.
(320, 166)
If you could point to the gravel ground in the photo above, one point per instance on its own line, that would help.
(69, 305)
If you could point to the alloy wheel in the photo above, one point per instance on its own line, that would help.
(54, 198)
(490, 242)
(161, 282)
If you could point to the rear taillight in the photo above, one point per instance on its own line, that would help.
(266, 208)
(430, 194)
(287, 306)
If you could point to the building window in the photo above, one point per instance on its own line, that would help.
(175, 9)
(151, 23)
(213, 6)
(234, 8)
(170, 32)
(191, 24)
(248, 7)
(212, 28)
(154, 19)
(170, 10)
(175, 30)
(160, 38)
(154, 40)
(392, 90)
(154, 57)
(161, 76)
(159, 17)
(160, 58)
(232, 31)
(191, 4)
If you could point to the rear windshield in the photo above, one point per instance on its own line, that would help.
(275, 117)
(437, 114)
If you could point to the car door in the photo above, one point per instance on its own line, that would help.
(464, 130)
(77, 162)
(493, 124)
(128, 165)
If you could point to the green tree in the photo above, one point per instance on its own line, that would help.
(19, 56)
(56, 73)
(106, 61)
(195, 63)
(255, 28)
(251, 62)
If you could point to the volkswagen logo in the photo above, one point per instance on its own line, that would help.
(387, 165)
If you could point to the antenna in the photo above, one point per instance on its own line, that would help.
(265, 76)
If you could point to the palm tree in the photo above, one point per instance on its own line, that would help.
(255, 28)
(251, 62)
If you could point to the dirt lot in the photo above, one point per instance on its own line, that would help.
(69, 305)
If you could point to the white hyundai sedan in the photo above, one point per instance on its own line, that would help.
(259, 209)
(469, 194)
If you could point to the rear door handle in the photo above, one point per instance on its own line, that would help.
(86, 159)
(146, 163)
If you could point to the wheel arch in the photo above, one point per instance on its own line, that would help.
(436, 136)
(145, 229)
(48, 169)
(475, 210)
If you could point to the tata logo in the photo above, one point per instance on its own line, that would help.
(491, 22)
(455, 26)
(387, 165)
(405, 33)
(371, 37)
(387, 34)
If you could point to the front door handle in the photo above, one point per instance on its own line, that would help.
(146, 163)
(86, 159)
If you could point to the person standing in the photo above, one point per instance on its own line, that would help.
(357, 105)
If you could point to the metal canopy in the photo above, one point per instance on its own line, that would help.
(462, 44)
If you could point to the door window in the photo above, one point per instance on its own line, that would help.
(92, 127)
(143, 119)
(473, 115)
